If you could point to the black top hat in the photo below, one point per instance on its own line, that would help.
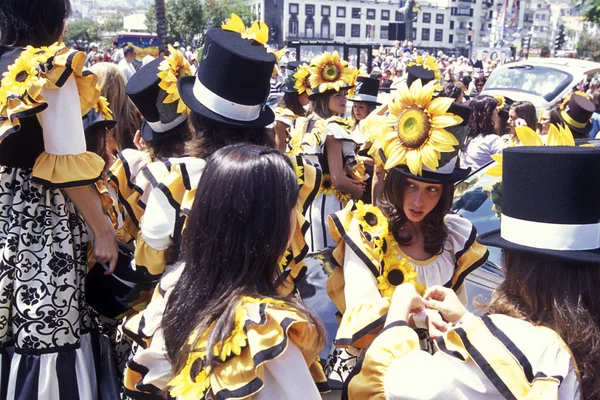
(577, 114)
(550, 203)
(232, 82)
(290, 82)
(94, 121)
(366, 90)
(419, 72)
(160, 119)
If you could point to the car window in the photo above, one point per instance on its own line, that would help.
(536, 80)
(472, 200)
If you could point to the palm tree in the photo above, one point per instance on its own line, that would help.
(161, 23)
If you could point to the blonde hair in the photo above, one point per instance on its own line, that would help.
(112, 86)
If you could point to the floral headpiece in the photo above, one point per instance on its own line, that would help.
(172, 68)
(329, 72)
(352, 90)
(501, 102)
(102, 106)
(259, 31)
(429, 63)
(414, 131)
(302, 77)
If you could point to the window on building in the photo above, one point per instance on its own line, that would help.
(426, 17)
(425, 34)
(309, 28)
(325, 34)
(385, 15)
(451, 24)
(384, 32)
(439, 18)
(309, 9)
(439, 35)
(341, 12)
(414, 33)
(340, 29)
(399, 16)
(462, 25)
(371, 13)
(536, 28)
(293, 8)
(450, 38)
(469, 38)
(325, 11)
(356, 13)
(293, 26)
(355, 30)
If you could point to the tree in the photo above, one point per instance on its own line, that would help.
(161, 23)
(185, 20)
(590, 9)
(83, 29)
(589, 46)
(218, 11)
(113, 23)
(151, 19)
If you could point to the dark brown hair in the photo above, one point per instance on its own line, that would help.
(526, 110)
(173, 145)
(237, 232)
(32, 22)
(480, 122)
(392, 205)
(559, 295)
(291, 101)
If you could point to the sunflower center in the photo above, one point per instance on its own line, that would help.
(21, 76)
(395, 277)
(197, 367)
(414, 126)
(326, 183)
(330, 72)
(371, 219)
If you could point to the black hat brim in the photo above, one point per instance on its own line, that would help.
(186, 87)
(149, 135)
(494, 239)
(435, 177)
(104, 124)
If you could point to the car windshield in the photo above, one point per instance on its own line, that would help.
(473, 200)
(537, 80)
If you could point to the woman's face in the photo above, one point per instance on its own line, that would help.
(479, 86)
(545, 122)
(360, 110)
(496, 120)
(303, 99)
(512, 117)
(337, 102)
(419, 199)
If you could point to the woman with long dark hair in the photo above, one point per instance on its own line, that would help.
(326, 141)
(482, 137)
(290, 106)
(520, 113)
(218, 325)
(540, 334)
(410, 236)
(222, 74)
(49, 209)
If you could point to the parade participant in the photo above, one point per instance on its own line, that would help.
(411, 236)
(291, 105)
(221, 114)
(540, 332)
(364, 102)
(576, 112)
(524, 111)
(483, 140)
(237, 248)
(326, 141)
(48, 207)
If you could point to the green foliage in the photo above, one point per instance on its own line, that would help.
(113, 23)
(184, 20)
(83, 29)
(217, 12)
(151, 19)
(589, 46)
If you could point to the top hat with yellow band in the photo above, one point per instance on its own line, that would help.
(576, 111)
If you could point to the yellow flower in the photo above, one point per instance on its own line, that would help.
(327, 185)
(172, 68)
(102, 106)
(413, 133)
(302, 76)
(352, 90)
(501, 102)
(258, 32)
(429, 63)
(237, 340)
(328, 71)
(559, 136)
(20, 76)
(284, 260)
(528, 137)
(41, 54)
(396, 272)
(188, 387)
(299, 173)
(371, 219)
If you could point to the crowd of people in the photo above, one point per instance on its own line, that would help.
(160, 227)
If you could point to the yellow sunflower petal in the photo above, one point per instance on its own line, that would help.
(429, 157)
(528, 136)
(440, 105)
(234, 24)
(413, 160)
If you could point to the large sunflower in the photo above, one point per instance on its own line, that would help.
(302, 77)
(371, 219)
(414, 133)
(20, 76)
(396, 272)
(501, 102)
(328, 71)
(429, 63)
(172, 68)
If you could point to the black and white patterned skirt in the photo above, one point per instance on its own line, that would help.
(46, 340)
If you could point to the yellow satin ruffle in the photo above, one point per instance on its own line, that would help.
(64, 171)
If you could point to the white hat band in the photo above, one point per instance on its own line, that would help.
(224, 107)
(548, 236)
(161, 127)
(365, 97)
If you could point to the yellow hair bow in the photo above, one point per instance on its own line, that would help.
(259, 31)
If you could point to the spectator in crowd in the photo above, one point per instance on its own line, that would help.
(126, 64)
(596, 115)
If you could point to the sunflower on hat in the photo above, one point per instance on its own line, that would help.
(414, 133)
(429, 63)
(329, 72)
(102, 106)
(172, 68)
(302, 77)
(501, 102)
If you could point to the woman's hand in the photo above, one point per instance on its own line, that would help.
(359, 188)
(446, 302)
(520, 122)
(139, 142)
(436, 324)
(406, 300)
(106, 251)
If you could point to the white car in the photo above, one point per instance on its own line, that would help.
(543, 81)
